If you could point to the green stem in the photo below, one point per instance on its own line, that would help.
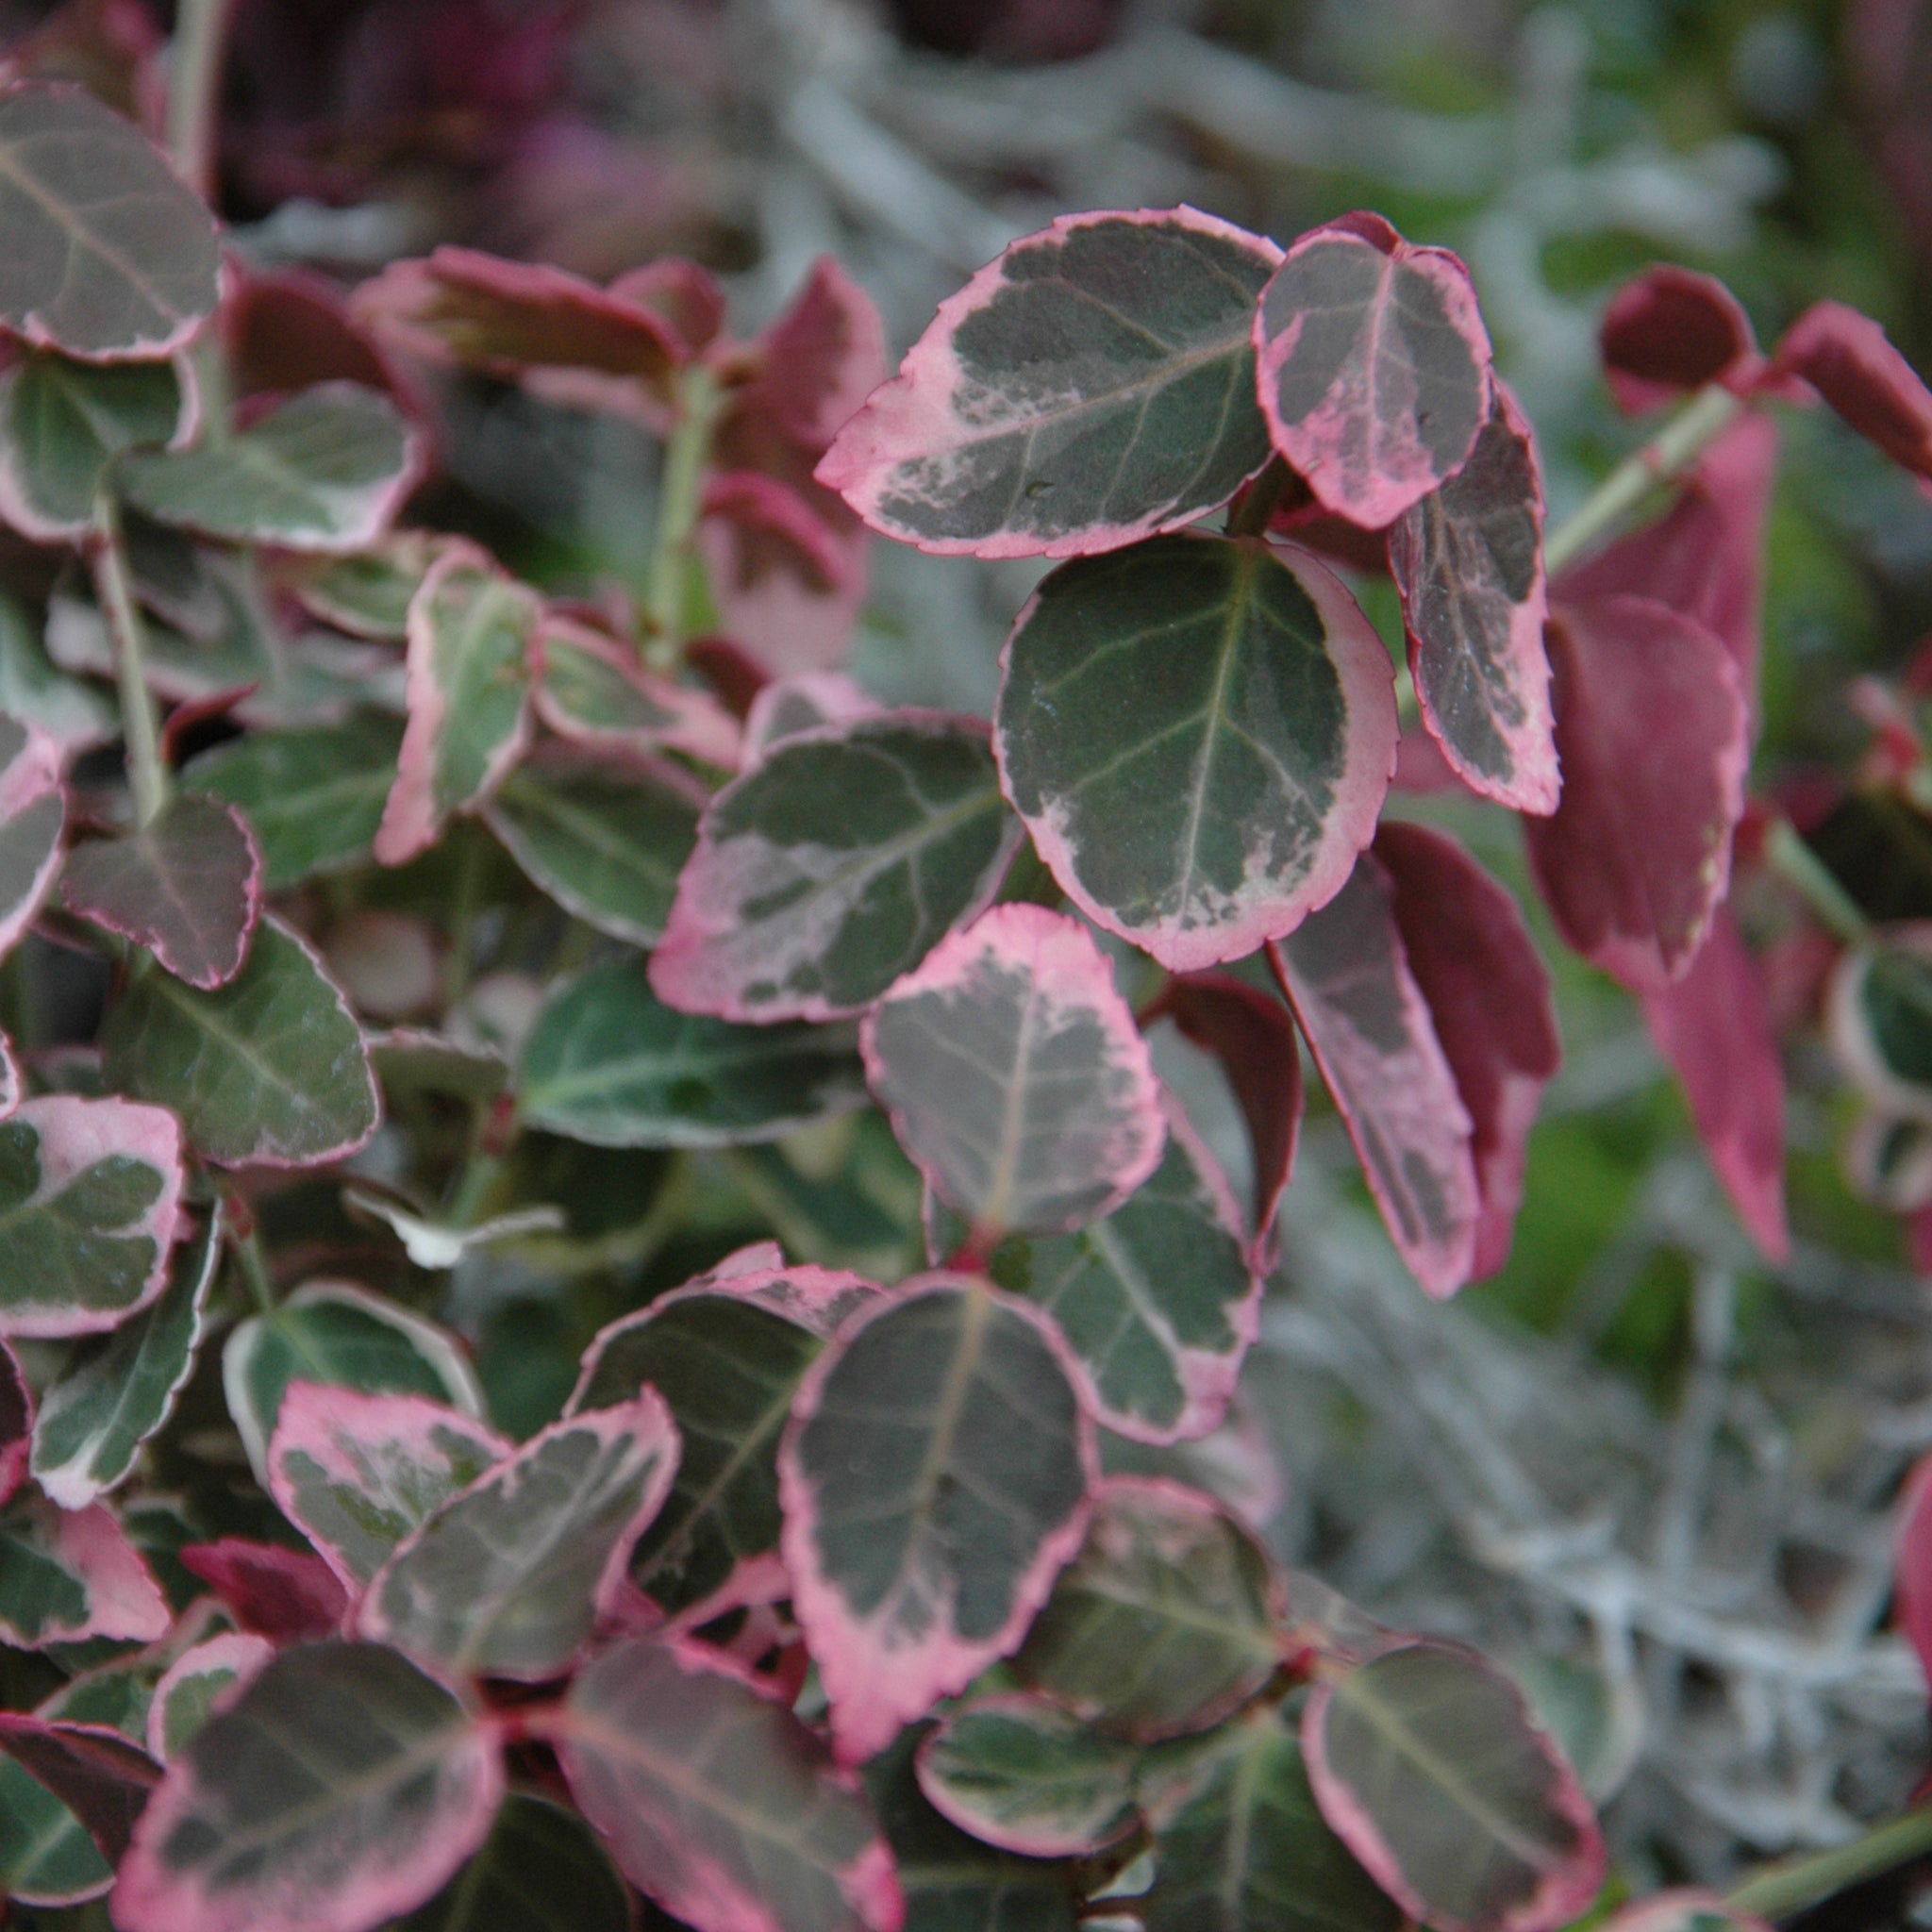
(255, 1272)
(1799, 866)
(1255, 511)
(194, 80)
(699, 403)
(1790, 1886)
(139, 723)
(481, 1174)
(1667, 454)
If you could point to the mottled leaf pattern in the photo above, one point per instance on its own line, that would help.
(68, 1575)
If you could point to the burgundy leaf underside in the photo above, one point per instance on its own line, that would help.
(102, 1779)
(1668, 331)
(286, 1595)
(1848, 359)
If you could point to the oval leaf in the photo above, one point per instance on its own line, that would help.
(1199, 733)
(594, 693)
(267, 1071)
(506, 1576)
(381, 1804)
(1094, 384)
(196, 1682)
(66, 1577)
(101, 1778)
(833, 867)
(33, 811)
(1468, 561)
(608, 1063)
(186, 885)
(935, 1479)
(110, 253)
(1669, 331)
(1347, 976)
(1428, 1764)
(1165, 1622)
(717, 1802)
(540, 1870)
(1015, 1076)
(1374, 367)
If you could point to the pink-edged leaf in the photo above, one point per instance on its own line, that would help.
(1653, 736)
(357, 1474)
(1198, 733)
(186, 885)
(288, 1596)
(1374, 367)
(789, 706)
(67, 1576)
(90, 1198)
(1468, 562)
(595, 692)
(1912, 1562)
(679, 294)
(1668, 331)
(1714, 1028)
(935, 1477)
(100, 1777)
(471, 632)
(33, 811)
(289, 329)
(819, 360)
(1254, 1038)
(1849, 361)
(1091, 386)
(16, 1423)
(1428, 1765)
(340, 1789)
(1015, 1076)
(717, 1803)
(204, 1678)
(110, 253)
(507, 1577)
(1704, 556)
(1488, 997)
(1346, 972)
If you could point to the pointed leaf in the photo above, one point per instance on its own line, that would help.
(201, 1678)
(63, 422)
(1199, 733)
(112, 1396)
(1015, 1076)
(95, 1773)
(1157, 1301)
(1240, 1847)
(90, 1191)
(274, 1819)
(357, 1474)
(1653, 733)
(470, 631)
(1092, 385)
(1714, 1028)
(314, 798)
(1347, 976)
(604, 840)
(1027, 1775)
(540, 1870)
(504, 1579)
(1428, 1765)
(1165, 1622)
(286, 1595)
(17, 1423)
(1468, 562)
(268, 1071)
(935, 1479)
(186, 885)
(65, 1576)
(717, 1802)
(1489, 1003)
(728, 1361)
(1669, 331)
(334, 1333)
(110, 253)
(821, 359)
(1375, 367)
(833, 867)
(33, 810)
(595, 692)
(1848, 359)
(608, 1063)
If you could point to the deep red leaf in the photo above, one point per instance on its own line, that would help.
(102, 1779)
(1668, 331)
(679, 294)
(819, 360)
(289, 329)
(1848, 359)
(283, 1595)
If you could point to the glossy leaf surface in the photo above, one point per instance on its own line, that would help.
(934, 1478)
(269, 1070)
(608, 1063)
(540, 1870)
(1199, 733)
(1091, 386)
(378, 1810)
(1375, 367)
(834, 866)
(1015, 1076)
(66, 1575)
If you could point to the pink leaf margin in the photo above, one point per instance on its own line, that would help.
(697, 724)
(122, 1599)
(95, 1772)
(16, 1423)
(238, 1655)
(288, 1596)
(873, 1689)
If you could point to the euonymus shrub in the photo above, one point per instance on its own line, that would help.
(444, 926)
